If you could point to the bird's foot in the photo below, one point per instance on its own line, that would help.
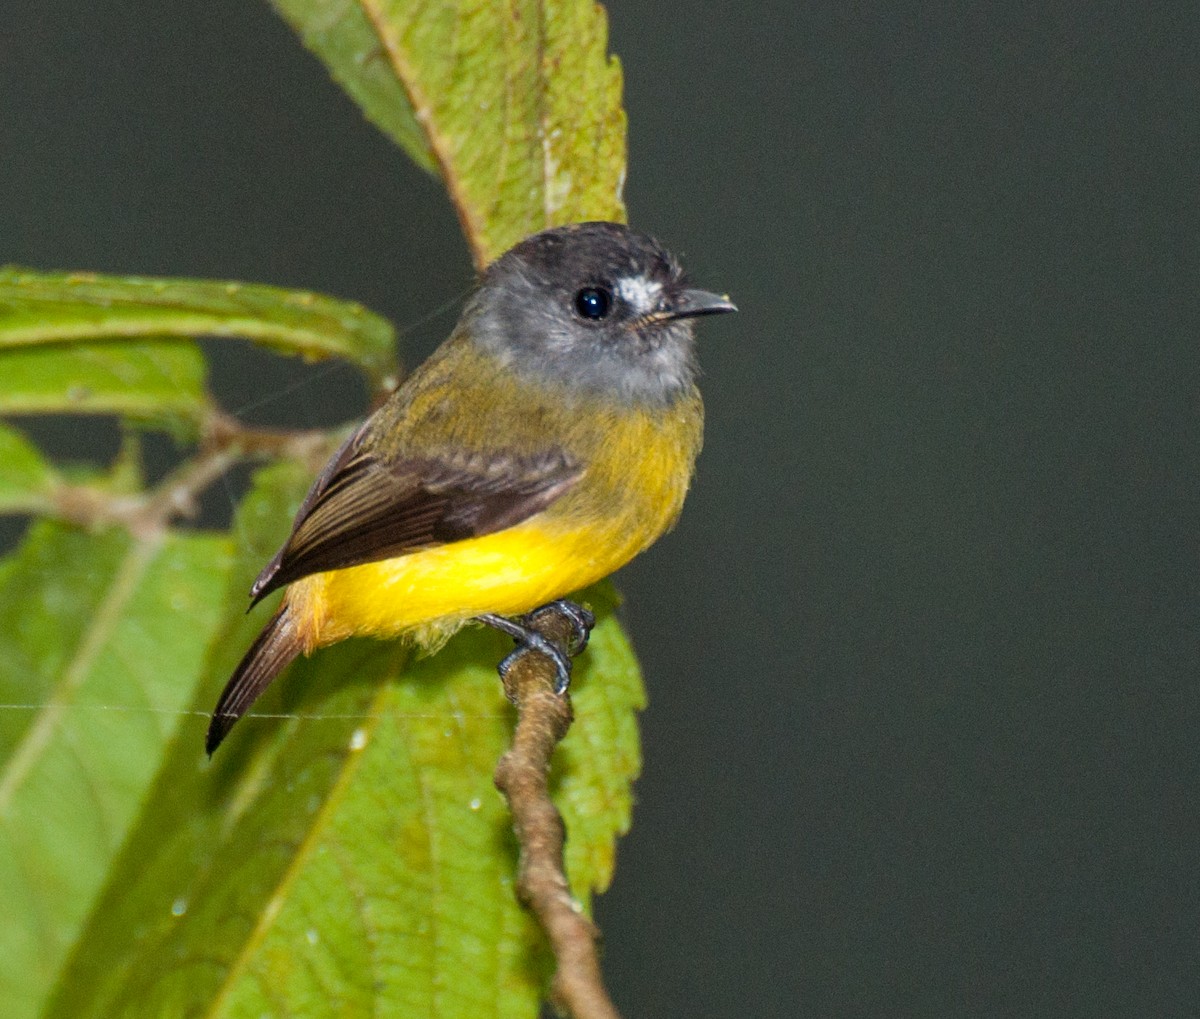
(582, 621)
(521, 629)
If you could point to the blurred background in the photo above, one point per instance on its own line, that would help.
(922, 651)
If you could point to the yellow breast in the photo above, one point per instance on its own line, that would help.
(632, 492)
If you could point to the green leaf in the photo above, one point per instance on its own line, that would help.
(26, 479)
(346, 852)
(344, 38)
(102, 641)
(353, 857)
(162, 383)
(65, 307)
(520, 103)
(596, 765)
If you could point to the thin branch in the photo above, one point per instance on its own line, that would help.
(543, 718)
(225, 442)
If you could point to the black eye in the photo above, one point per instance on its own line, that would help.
(593, 302)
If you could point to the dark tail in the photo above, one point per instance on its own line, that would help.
(274, 648)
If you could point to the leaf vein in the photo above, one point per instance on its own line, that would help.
(303, 850)
(38, 736)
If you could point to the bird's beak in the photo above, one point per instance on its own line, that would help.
(693, 303)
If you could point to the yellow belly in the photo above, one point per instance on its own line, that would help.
(428, 595)
(633, 489)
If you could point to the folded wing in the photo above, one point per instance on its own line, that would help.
(364, 508)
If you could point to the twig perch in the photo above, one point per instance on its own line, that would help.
(224, 442)
(543, 718)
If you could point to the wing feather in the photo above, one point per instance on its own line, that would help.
(363, 508)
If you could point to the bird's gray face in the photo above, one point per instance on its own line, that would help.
(593, 307)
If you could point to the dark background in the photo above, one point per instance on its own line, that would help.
(922, 651)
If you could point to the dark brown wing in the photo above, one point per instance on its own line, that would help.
(269, 655)
(363, 508)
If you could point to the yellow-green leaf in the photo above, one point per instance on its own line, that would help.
(596, 765)
(101, 642)
(38, 308)
(26, 479)
(163, 383)
(353, 857)
(346, 852)
(519, 102)
(343, 37)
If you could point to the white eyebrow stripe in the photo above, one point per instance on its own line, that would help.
(641, 293)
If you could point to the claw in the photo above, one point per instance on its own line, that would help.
(528, 639)
(582, 621)
(562, 664)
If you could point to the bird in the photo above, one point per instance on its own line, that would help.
(549, 440)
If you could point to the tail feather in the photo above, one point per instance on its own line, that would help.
(270, 653)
